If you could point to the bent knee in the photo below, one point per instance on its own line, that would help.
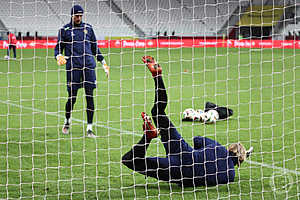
(127, 157)
(128, 164)
(127, 161)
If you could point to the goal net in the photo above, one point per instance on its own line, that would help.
(242, 55)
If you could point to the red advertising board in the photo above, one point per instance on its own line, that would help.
(167, 43)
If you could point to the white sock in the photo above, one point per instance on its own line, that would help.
(67, 121)
(89, 127)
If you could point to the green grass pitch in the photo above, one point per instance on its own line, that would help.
(262, 86)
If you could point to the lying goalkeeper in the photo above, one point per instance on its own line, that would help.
(207, 164)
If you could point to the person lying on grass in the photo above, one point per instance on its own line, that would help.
(207, 164)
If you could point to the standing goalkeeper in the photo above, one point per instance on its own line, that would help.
(78, 42)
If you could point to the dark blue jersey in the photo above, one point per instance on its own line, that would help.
(207, 164)
(79, 44)
(212, 162)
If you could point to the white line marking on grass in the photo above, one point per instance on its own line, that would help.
(73, 119)
(274, 167)
(137, 134)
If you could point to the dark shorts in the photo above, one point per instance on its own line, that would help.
(78, 78)
(12, 46)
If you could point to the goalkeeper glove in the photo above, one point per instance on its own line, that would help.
(105, 67)
(61, 60)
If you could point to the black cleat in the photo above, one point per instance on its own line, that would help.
(90, 134)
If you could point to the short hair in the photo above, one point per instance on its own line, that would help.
(238, 150)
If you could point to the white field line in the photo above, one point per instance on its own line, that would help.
(62, 116)
(285, 170)
(137, 134)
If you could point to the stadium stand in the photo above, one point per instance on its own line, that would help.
(29, 16)
(186, 18)
(48, 17)
(182, 18)
(291, 29)
(177, 18)
(104, 21)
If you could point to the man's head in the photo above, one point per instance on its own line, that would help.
(76, 13)
(239, 151)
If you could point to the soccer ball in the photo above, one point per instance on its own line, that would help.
(211, 116)
(199, 115)
(6, 57)
(189, 114)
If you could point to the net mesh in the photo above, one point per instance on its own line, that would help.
(238, 54)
